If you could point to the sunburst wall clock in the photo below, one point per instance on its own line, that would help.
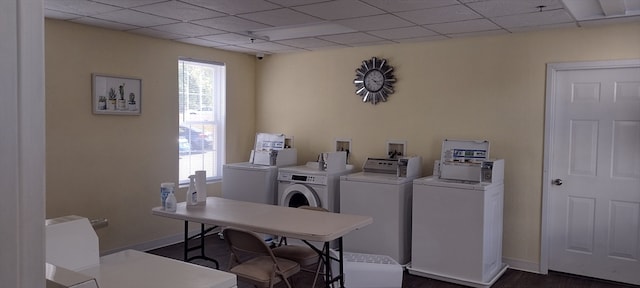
(374, 80)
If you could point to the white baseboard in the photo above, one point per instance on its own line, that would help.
(522, 265)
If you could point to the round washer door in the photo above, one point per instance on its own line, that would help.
(298, 195)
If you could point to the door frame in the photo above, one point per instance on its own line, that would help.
(549, 122)
(22, 128)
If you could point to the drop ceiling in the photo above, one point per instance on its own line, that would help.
(282, 26)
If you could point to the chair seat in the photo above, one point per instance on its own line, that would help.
(254, 269)
(305, 256)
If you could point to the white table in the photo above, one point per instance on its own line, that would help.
(132, 268)
(271, 219)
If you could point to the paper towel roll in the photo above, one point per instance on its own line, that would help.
(201, 185)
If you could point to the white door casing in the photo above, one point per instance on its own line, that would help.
(592, 146)
(22, 148)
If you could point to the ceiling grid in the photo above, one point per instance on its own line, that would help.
(282, 26)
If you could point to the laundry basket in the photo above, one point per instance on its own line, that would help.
(370, 271)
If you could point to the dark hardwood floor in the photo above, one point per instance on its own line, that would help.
(217, 249)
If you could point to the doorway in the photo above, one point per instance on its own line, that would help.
(591, 189)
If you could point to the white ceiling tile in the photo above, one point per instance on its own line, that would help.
(135, 18)
(301, 31)
(266, 46)
(478, 33)
(231, 38)
(290, 50)
(543, 27)
(533, 19)
(104, 23)
(377, 22)
(280, 17)
(494, 8)
(234, 7)
(403, 33)
(409, 5)
(351, 38)
(238, 49)
(463, 26)
(339, 9)
(231, 24)
(289, 3)
(616, 20)
(53, 14)
(79, 7)
(422, 39)
(439, 15)
(373, 43)
(336, 46)
(188, 29)
(200, 42)
(178, 10)
(306, 42)
(156, 33)
(584, 9)
(126, 3)
(593, 9)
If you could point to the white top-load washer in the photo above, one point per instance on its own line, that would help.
(250, 182)
(312, 184)
(255, 181)
(457, 217)
(383, 190)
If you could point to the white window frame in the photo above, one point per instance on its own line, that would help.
(194, 160)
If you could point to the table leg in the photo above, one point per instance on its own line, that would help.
(186, 241)
(201, 246)
(328, 277)
(341, 262)
(326, 259)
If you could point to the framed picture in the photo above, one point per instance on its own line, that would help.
(116, 95)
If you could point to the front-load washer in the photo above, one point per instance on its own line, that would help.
(312, 186)
(379, 191)
(309, 185)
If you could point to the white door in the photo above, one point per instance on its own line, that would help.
(594, 194)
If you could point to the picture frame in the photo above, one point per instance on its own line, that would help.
(116, 95)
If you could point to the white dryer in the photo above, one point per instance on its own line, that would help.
(309, 185)
(383, 190)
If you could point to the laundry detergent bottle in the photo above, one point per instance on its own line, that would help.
(192, 194)
(171, 202)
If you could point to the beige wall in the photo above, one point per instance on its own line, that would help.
(471, 88)
(489, 87)
(112, 166)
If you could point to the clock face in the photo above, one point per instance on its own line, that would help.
(374, 80)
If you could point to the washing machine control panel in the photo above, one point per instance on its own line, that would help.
(303, 178)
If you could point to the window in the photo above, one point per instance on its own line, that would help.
(201, 107)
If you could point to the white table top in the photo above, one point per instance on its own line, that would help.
(269, 219)
(132, 268)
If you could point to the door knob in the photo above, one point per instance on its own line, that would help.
(557, 182)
